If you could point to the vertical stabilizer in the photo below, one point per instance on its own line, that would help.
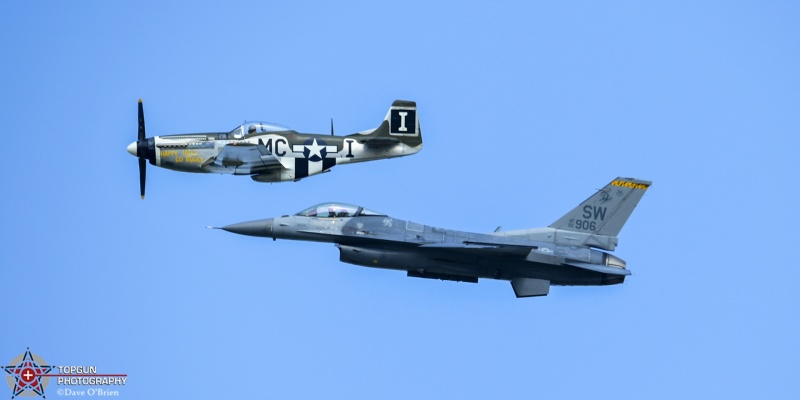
(606, 211)
(401, 125)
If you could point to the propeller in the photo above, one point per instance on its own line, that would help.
(143, 148)
(142, 162)
(331, 126)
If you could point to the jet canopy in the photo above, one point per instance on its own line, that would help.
(337, 210)
(256, 127)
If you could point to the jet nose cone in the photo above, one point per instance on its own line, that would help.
(260, 228)
(132, 148)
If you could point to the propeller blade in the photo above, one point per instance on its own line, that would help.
(331, 126)
(141, 121)
(142, 175)
(141, 150)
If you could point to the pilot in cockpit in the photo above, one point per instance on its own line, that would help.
(251, 130)
(337, 212)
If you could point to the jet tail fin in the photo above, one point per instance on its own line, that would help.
(605, 212)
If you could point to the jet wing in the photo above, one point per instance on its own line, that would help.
(489, 249)
(599, 268)
(247, 158)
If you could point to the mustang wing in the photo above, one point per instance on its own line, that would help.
(246, 158)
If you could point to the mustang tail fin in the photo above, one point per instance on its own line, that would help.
(605, 212)
(401, 125)
(402, 118)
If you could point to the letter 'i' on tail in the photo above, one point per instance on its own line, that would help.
(605, 212)
(402, 123)
(402, 118)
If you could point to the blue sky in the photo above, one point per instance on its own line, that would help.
(526, 108)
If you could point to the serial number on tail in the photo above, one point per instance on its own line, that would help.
(582, 224)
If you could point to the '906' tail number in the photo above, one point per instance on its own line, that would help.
(583, 224)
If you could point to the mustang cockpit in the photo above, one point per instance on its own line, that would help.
(255, 128)
(337, 210)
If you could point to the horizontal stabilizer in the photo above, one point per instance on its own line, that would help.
(527, 287)
(380, 142)
(599, 268)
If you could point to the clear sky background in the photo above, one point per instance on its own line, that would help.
(526, 108)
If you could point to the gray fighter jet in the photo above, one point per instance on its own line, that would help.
(564, 253)
(270, 152)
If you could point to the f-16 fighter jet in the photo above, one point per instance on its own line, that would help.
(564, 253)
(273, 153)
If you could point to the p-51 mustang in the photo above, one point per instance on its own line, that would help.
(532, 259)
(273, 153)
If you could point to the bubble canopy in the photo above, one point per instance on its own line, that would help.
(257, 127)
(338, 210)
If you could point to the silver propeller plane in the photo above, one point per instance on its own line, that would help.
(564, 253)
(270, 152)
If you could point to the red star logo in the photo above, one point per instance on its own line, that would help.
(27, 375)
